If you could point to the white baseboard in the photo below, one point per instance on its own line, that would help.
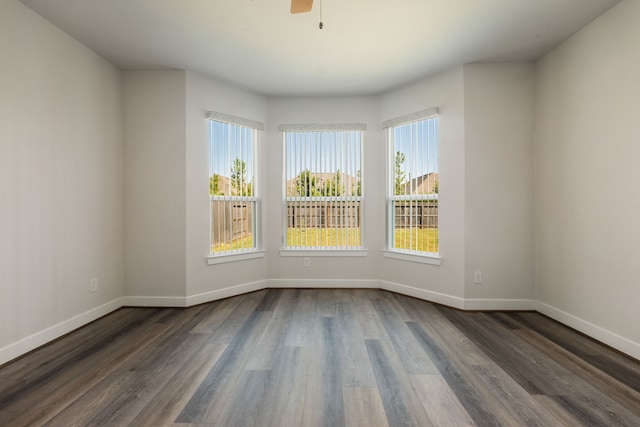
(40, 338)
(145, 301)
(324, 283)
(225, 293)
(444, 299)
(191, 300)
(612, 339)
(500, 304)
(49, 334)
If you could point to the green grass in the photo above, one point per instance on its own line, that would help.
(424, 240)
(323, 237)
(245, 242)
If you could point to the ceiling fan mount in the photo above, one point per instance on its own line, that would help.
(301, 6)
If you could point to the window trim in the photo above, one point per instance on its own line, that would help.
(242, 256)
(424, 258)
(257, 251)
(322, 252)
(433, 258)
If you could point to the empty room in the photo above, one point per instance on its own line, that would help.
(319, 213)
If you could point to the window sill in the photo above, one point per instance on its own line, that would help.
(324, 252)
(424, 259)
(221, 259)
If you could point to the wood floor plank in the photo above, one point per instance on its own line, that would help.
(512, 404)
(453, 342)
(234, 321)
(31, 373)
(301, 332)
(364, 408)
(352, 351)
(368, 318)
(507, 320)
(539, 376)
(583, 370)
(553, 331)
(314, 390)
(199, 408)
(283, 406)
(222, 310)
(321, 357)
(324, 405)
(617, 366)
(167, 404)
(440, 402)
(398, 303)
(401, 406)
(331, 369)
(143, 375)
(413, 357)
(590, 413)
(42, 397)
(325, 303)
(243, 408)
(457, 378)
(274, 336)
(564, 416)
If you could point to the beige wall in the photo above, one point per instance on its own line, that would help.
(215, 281)
(327, 270)
(498, 102)
(155, 185)
(586, 166)
(61, 209)
(445, 91)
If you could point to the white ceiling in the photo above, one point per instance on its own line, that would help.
(366, 46)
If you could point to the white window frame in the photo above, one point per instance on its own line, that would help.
(256, 251)
(391, 251)
(292, 250)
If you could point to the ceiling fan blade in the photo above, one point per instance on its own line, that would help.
(301, 6)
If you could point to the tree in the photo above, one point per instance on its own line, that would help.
(334, 187)
(399, 173)
(307, 184)
(356, 186)
(214, 185)
(239, 178)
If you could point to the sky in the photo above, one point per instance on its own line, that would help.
(419, 142)
(312, 150)
(229, 142)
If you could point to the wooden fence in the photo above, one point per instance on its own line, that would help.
(416, 214)
(234, 220)
(323, 214)
(230, 221)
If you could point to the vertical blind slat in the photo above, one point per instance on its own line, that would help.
(232, 173)
(320, 181)
(412, 191)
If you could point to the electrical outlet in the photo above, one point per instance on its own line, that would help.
(477, 277)
(93, 285)
(307, 262)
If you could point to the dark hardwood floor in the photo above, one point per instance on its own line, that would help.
(321, 358)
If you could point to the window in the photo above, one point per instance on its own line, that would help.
(323, 187)
(412, 184)
(233, 185)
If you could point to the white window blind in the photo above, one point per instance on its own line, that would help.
(323, 187)
(233, 185)
(412, 190)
